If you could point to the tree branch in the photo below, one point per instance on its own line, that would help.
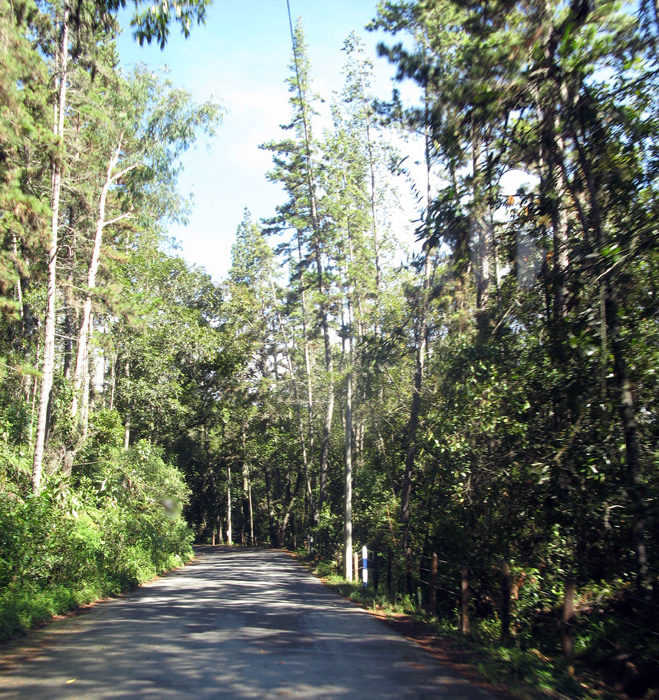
(118, 218)
(123, 172)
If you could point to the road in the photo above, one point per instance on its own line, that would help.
(235, 623)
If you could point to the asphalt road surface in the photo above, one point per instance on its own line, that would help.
(236, 623)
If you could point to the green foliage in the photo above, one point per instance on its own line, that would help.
(23, 129)
(505, 380)
(71, 544)
(107, 517)
(154, 22)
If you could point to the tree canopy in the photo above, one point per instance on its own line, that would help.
(489, 403)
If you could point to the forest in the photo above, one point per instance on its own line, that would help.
(484, 410)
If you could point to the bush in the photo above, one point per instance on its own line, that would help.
(108, 531)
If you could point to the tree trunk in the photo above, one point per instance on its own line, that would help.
(291, 371)
(85, 323)
(48, 368)
(464, 602)
(329, 369)
(413, 422)
(567, 629)
(248, 517)
(316, 232)
(35, 385)
(113, 378)
(505, 602)
(481, 234)
(19, 278)
(611, 331)
(421, 333)
(347, 514)
(86, 396)
(218, 528)
(229, 533)
(634, 476)
(127, 420)
(69, 314)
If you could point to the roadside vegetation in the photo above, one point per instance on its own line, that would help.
(117, 526)
(486, 402)
(91, 501)
(530, 664)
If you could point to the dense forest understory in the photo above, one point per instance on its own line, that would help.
(481, 417)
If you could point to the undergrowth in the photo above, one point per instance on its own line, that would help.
(528, 666)
(73, 543)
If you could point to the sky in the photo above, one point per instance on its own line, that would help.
(241, 58)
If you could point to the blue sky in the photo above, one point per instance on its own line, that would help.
(241, 58)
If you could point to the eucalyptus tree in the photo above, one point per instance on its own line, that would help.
(138, 127)
(75, 25)
(147, 128)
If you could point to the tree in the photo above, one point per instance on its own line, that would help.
(534, 100)
(151, 24)
(296, 169)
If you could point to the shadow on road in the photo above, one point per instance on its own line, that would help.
(244, 623)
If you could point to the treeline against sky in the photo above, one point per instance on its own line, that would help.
(492, 400)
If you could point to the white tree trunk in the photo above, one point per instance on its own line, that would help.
(229, 534)
(347, 513)
(49, 329)
(85, 323)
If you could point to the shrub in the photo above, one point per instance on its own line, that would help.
(108, 531)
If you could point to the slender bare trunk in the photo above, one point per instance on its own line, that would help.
(19, 286)
(329, 362)
(421, 332)
(251, 512)
(229, 533)
(85, 323)
(69, 312)
(35, 385)
(347, 514)
(481, 234)
(113, 378)
(559, 224)
(315, 225)
(329, 412)
(567, 618)
(412, 427)
(49, 330)
(127, 422)
(291, 371)
(248, 517)
(86, 383)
